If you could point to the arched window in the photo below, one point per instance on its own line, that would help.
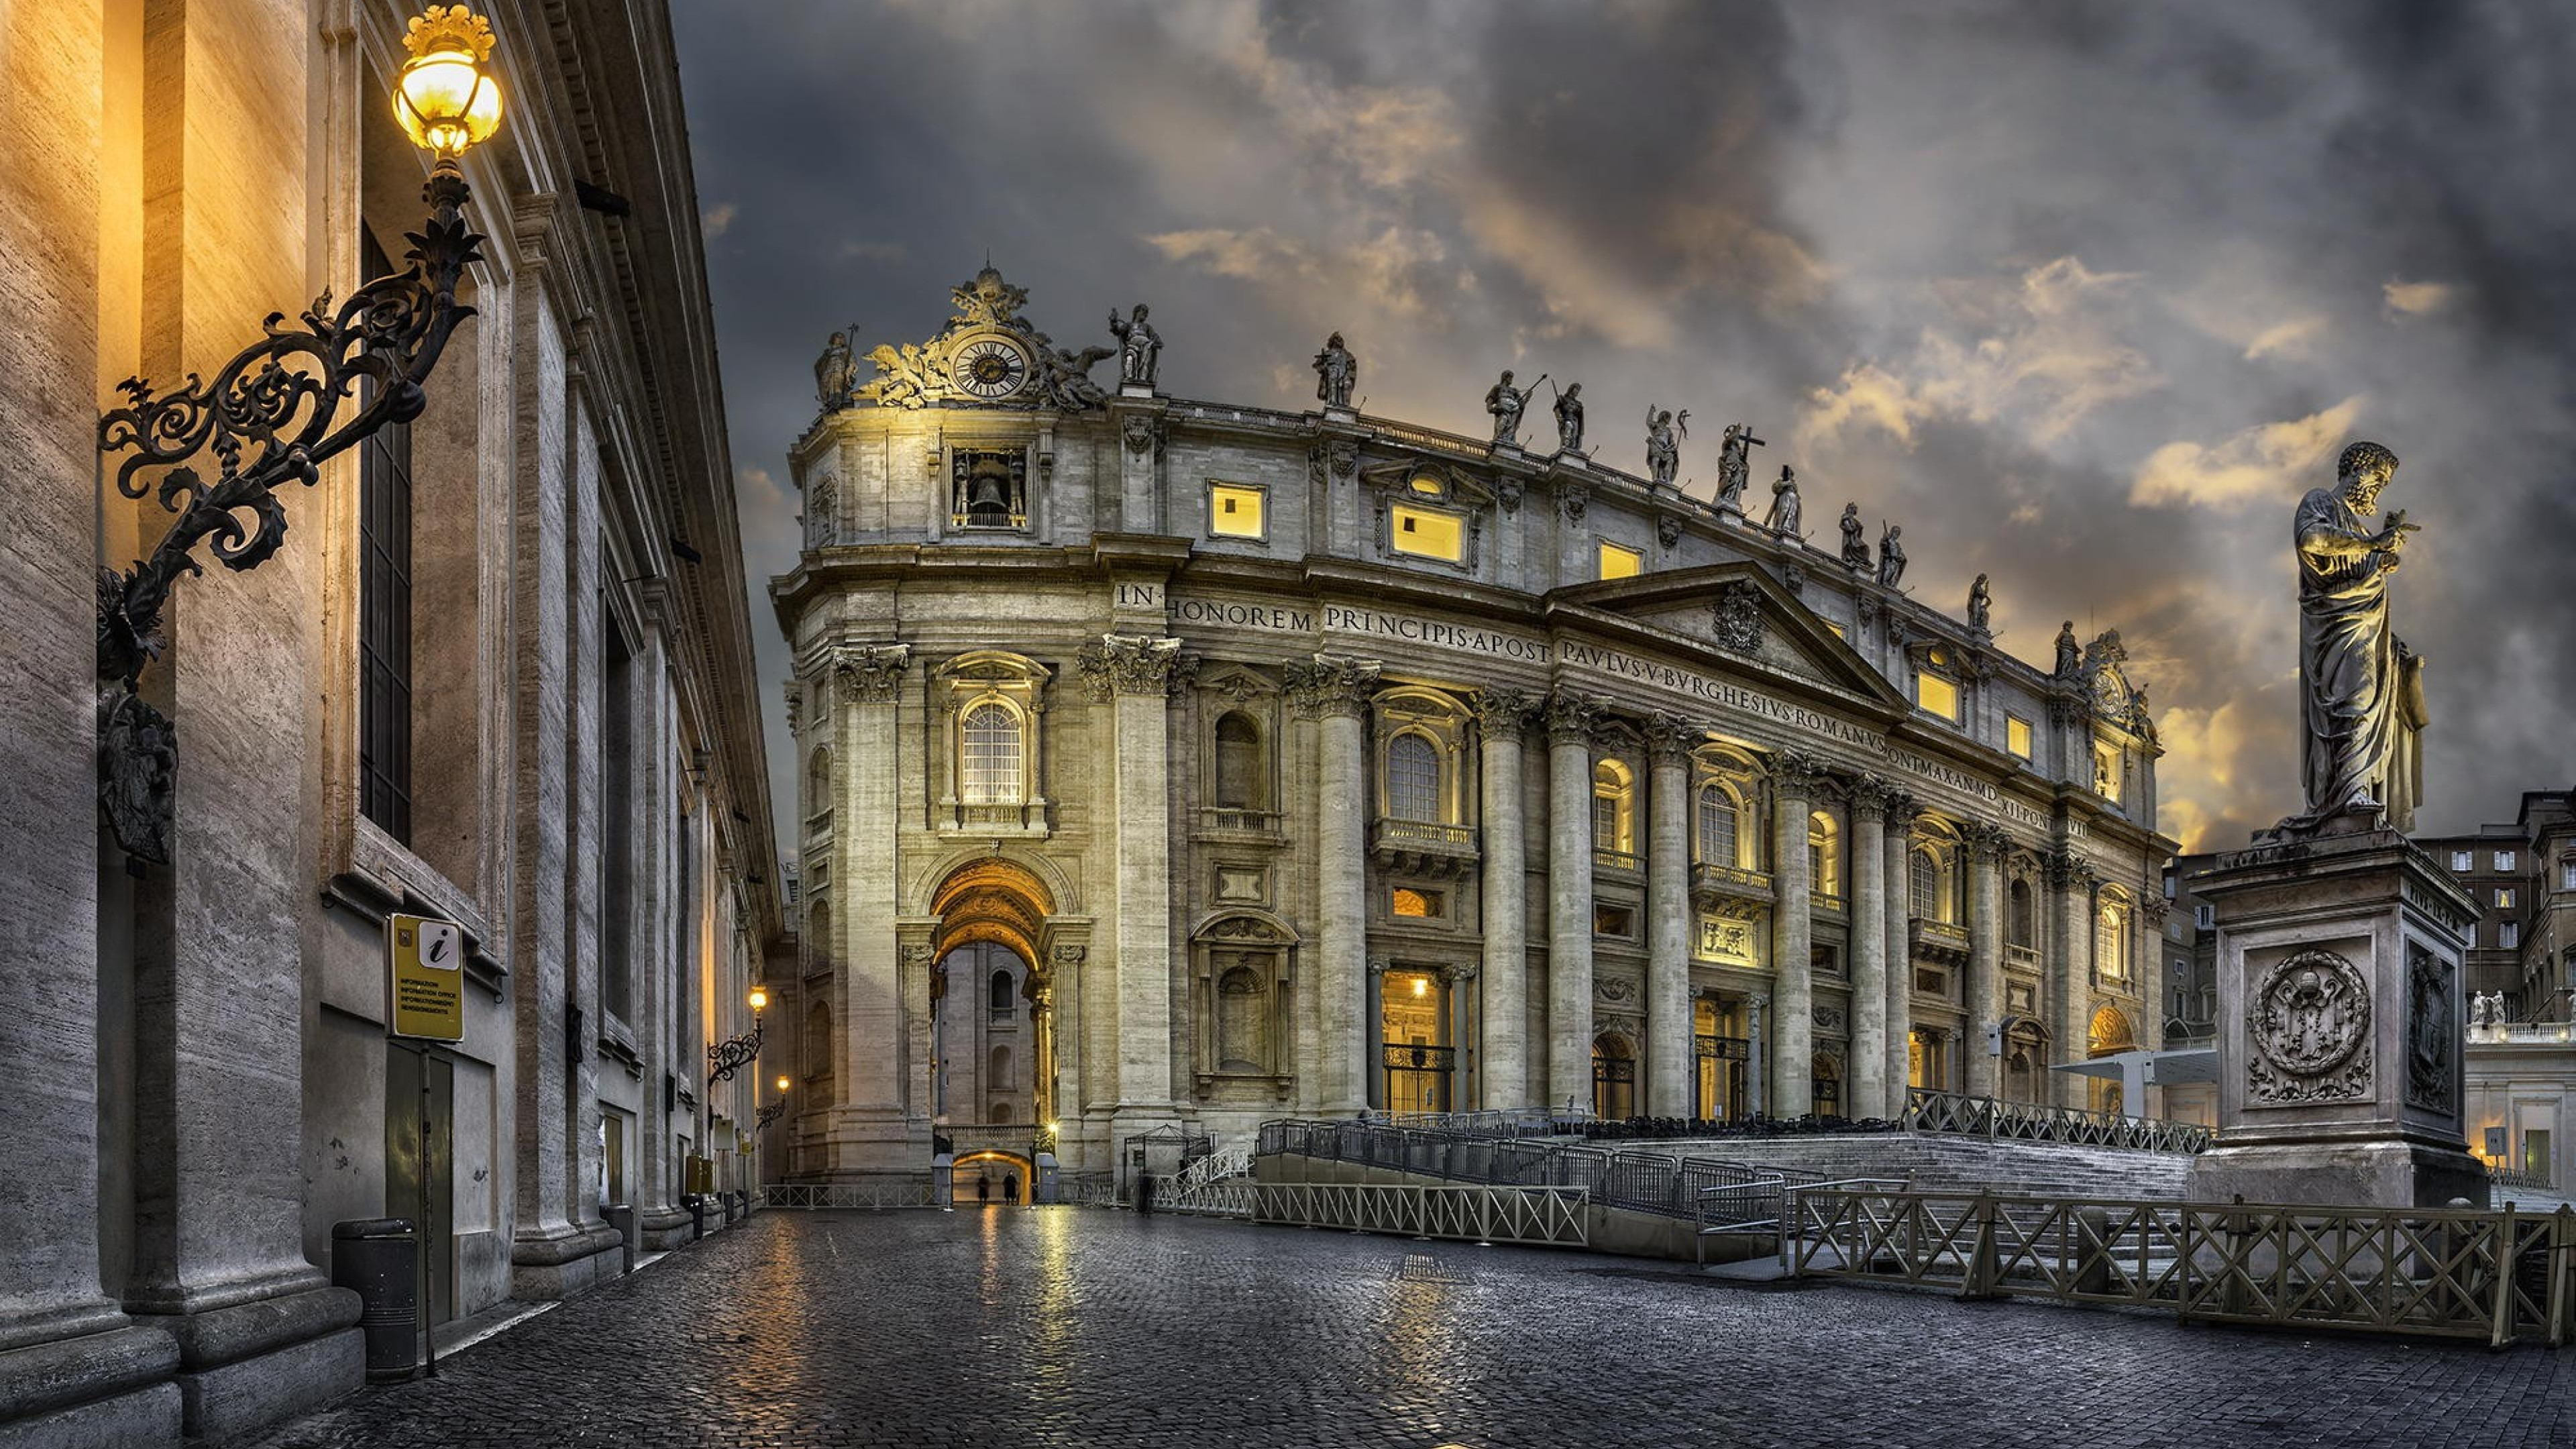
(2111, 942)
(1824, 854)
(1412, 778)
(1923, 884)
(1000, 993)
(2022, 922)
(1239, 778)
(1720, 824)
(997, 1077)
(1613, 808)
(989, 760)
(2110, 1032)
(818, 783)
(1240, 1046)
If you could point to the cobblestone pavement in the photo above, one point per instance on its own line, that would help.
(1066, 1326)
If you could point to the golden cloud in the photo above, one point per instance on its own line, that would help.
(2266, 462)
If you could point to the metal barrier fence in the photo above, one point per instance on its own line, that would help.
(2497, 1276)
(1997, 1120)
(1662, 1183)
(871, 1195)
(1227, 1197)
(1496, 1121)
(1537, 1216)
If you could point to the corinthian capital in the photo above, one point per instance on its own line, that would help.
(1669, 740)
(1985, 842)
(1503, 713)
(1571, 718)
(869, 673)
(1795, 773)
(1131, 664)
(1331, 684)
(1869, 796)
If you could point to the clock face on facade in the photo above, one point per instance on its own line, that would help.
(989, 367)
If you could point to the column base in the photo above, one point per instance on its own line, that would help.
(2383, 1173)
(565, 1262)
(255, 1363)
(137, 1420)
(108, 1388)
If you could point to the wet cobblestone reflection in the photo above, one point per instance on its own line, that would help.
(1065, 1326)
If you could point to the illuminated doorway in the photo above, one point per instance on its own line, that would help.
(2111, 1033)
(1614, 1079)
(1722, 1053)
(1414, 1048)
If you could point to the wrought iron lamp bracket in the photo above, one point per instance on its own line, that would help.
(733, 1054)
(772, 1113)
(272, 415)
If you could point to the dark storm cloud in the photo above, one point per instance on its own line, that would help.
(2081, 295)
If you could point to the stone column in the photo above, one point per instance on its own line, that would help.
(1570, 721)
(1502, 717)
(1793, 1036)
(871, 1049)
(1335, 692)
(1668, 918)
(2072, 882)
(1900, 811)
(1869, 1051)
(1757, 1055)
(1985, 956)
(1136, 671)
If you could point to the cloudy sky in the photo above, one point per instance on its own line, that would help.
(2084, 295)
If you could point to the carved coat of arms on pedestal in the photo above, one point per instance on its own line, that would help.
(2309, 1025)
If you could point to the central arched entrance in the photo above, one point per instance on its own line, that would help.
(991, 1178)
(992, 1021)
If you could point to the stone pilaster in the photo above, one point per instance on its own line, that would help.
(1899, 839)
(1141, 671)
(871, 1048)
(1985, 956)
(1869, 1046)
(1335, 692)
(1669, 1062)
(2071, 885)
(1502, 719)
(1794, 779)
(1570, 722)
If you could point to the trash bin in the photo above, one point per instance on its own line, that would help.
(621, 1216)
(380, 1259)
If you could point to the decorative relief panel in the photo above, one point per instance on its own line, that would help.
(2432, 1033)
(2310, 1029)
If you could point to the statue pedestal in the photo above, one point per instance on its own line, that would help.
(2341, 1026)
(1132, 390)
(1348, 416)
(1729, 511)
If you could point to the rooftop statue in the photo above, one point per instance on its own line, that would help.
(1981, 604)
(1785, 509)
(2070, 655)
(1855, 544)
(1140, 348)
(1336, 373)
(1735, 462)
(2350, 678)
(1504, 401)
(1663, 451)
(1891, 555)
(1569, 419)
(836, 372)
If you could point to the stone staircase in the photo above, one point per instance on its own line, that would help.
(1933, 1163)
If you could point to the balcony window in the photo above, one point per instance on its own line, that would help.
(1824, 857)
(1235, 511)
(1241, 784)
(990, 759)
(1426, 533)
(1613, 812)
(1620, 563)
(2017, 736)
(1720, 819)
(2106, 771)
(1412, 778)
(2022, 917)
(2111, 943)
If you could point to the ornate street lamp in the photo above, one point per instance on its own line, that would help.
(774, 1110)
(737, 1052)
(273, 415)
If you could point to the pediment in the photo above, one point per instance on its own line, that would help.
(1738, 609)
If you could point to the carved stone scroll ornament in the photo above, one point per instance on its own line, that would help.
(1331, 684)
(869, 673)
(1737, 622)
(2309, 1025)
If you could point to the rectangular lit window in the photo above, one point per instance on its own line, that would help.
(2504, 898)
(2106, 771)
(2504, 860)
(1426, 534)
(2567, 876)
(2508, 934)
(1935, 695)
(1620, 563)
(1234, 511)
(2459, 860)
(2017, 736)
(1420, 904)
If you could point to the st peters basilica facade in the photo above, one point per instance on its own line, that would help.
(1168, 766)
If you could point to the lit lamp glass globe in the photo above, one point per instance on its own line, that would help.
(782, 1086)
(759, 998)
(444, 98)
